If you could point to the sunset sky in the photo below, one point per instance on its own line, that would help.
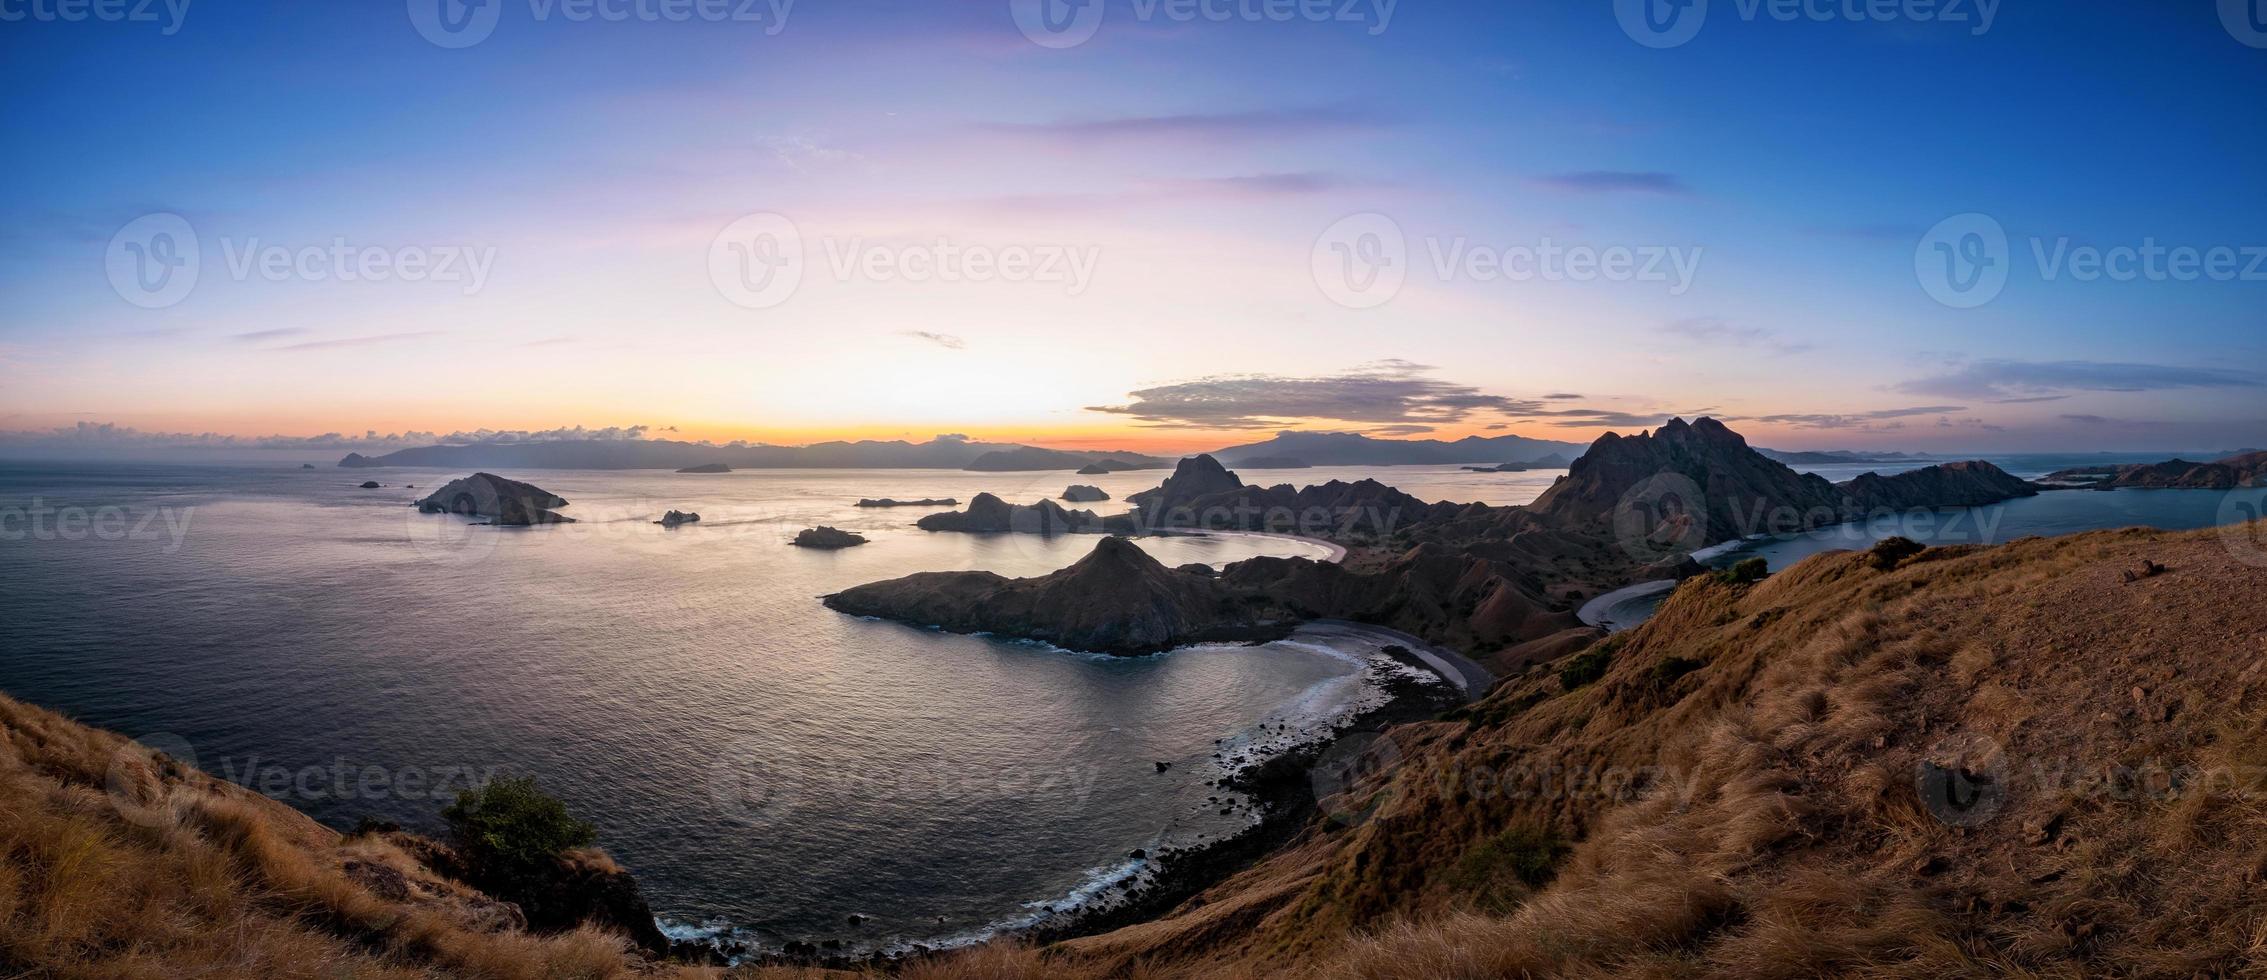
(1187, 175)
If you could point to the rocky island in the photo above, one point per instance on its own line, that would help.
(707, 468)
(923, 502)
(677, 517)
(1116, 600)
(2245, 470)
(989, 513)
(1079, 493)
(504, 502)
(827, 538)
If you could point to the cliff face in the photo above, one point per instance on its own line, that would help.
(1116, 600)
(2247, 470)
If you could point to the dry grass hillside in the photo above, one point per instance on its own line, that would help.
(1737, 789)
(2046, 759)
(122, 864)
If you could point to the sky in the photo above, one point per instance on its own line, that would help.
(1160, 225)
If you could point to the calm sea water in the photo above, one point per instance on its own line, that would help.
(761, 762)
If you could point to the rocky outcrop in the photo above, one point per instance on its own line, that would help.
(923, 502)
(1079, 493)
(1970, 484)
(357, 461)
(1093, 469)
(677, 517)
(989, 513)
(1194, 477)
(2247, 470)
(827, 538)
(506, 502)
(1685, 485)
(1116, 600)
(370, 484)
(1203, 494)
(579, 887)
(707, 468)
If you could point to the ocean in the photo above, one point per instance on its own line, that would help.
(767, 767)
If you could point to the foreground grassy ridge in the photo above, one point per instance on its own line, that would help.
(121, 864)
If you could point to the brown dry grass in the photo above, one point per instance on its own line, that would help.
(119, 863)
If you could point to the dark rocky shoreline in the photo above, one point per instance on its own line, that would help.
(1281, 791)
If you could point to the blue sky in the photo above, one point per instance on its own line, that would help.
(1189, 173)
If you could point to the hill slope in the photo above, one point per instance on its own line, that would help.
(2002, 761)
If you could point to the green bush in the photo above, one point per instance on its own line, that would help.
(1889, 551)
(1587, 666)
(510, 827)
(1497, 871)
(1667, 671)
(1747, 572)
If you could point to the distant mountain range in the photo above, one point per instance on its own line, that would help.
(1286, 450)
(942, 453)
(1838, 456)
(1354, 449)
